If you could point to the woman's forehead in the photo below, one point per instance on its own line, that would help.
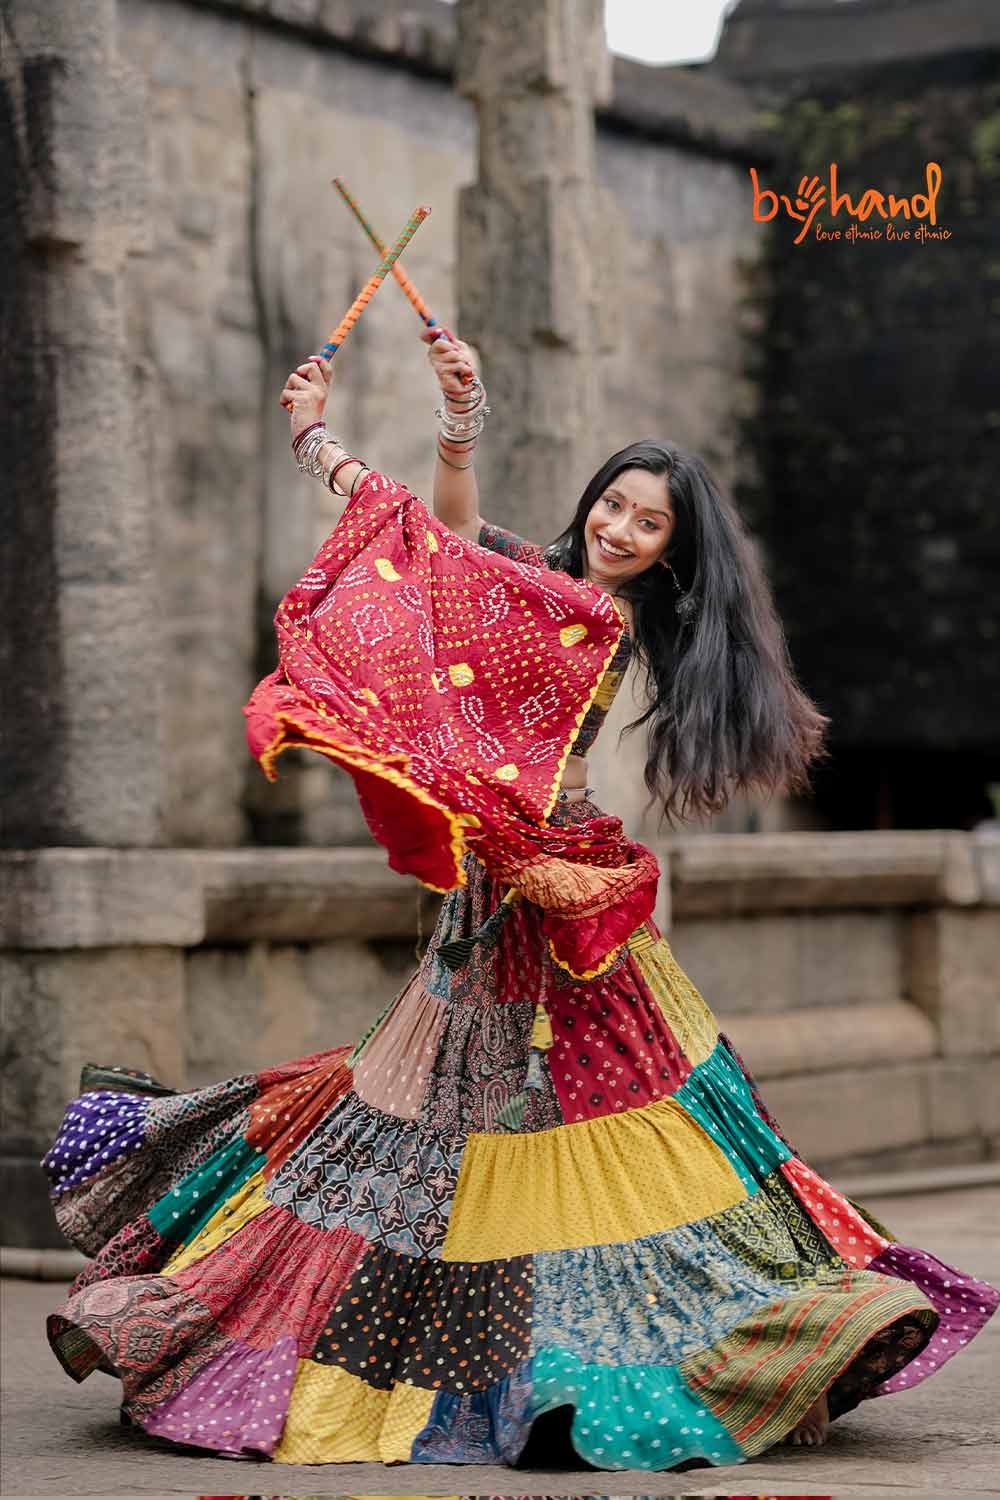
(642, 489)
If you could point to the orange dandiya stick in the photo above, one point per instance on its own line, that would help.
(409, 290)
(407, 285)
(371, 286)
(376, 279)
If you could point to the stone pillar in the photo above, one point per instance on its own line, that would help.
(80, 760)
(526, 285)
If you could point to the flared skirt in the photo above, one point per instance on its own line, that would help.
(525, 1202)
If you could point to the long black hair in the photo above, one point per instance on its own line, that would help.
(726, 713)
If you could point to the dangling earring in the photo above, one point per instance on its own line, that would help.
(685, 604)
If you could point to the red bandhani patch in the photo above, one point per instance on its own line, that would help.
(851, 1236)
(612, 1048)
(450, 682)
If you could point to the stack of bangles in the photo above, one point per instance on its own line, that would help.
(307, 447)
(462, 421)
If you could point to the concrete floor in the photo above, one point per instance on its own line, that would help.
(941, 1439)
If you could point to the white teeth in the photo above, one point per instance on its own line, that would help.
(612, 551)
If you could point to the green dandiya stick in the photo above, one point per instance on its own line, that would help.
(407, 285)
(408, 289)
(373, 283)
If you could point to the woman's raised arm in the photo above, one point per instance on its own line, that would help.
(316, 449)
(456, 493)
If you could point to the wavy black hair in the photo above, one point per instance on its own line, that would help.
(726, 713)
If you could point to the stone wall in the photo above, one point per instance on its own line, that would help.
(249, 256)
(858, 974)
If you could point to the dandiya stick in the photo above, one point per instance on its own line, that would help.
(407, 285)
(409, 290)
(373, 283)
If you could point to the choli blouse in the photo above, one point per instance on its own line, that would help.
(509, 544)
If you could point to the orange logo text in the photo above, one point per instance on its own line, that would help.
(813, 195)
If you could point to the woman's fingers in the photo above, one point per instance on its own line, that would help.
(316, 364)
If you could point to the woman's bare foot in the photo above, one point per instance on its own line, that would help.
(811, 1431)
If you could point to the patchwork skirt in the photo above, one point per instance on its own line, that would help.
(527, 1216)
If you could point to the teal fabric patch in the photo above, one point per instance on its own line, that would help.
(187, 1208)
(630, 1416)
(718, 1096)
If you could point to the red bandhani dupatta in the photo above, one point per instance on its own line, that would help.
(451, 682)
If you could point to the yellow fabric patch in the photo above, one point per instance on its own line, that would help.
(570, 634)
(541, 1030)
(385, 570)
(245, 1204)
(432, 542)
(508, 772)
(608, 687)
(335, 1418)
(461, 674)
(685, 1012)
(594, 1183)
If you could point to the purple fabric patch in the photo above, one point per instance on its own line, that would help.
(97, 1129)
(236, 1404)
(963, 1304)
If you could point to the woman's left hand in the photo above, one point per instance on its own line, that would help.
(305, 393)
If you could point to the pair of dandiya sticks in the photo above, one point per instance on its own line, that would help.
(389, 262)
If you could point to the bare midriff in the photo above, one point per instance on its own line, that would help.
(574, 777)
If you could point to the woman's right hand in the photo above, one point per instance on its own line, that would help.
(451, 360)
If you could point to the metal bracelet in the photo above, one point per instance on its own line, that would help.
(307, 460)
(461, 428)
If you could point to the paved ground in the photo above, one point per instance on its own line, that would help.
(944, 1438)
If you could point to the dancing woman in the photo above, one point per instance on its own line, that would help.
(539, 1212)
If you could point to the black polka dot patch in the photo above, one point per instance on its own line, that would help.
(447, 1325)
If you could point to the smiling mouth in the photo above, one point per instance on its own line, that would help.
(609, 551)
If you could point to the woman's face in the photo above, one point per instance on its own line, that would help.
(628, 528)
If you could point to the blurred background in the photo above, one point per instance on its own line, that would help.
(172, 247)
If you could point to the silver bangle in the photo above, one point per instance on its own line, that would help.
(459, 427)
(307, 459)
(459, 424)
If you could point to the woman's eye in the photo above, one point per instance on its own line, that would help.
(611, 504)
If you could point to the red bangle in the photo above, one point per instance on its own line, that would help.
(337, 468)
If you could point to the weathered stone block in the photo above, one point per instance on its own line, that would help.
(729, 873)
(293, 895)
(98, 898)
(962, 1098)
(771, 962)
(249, 1008)
(838, 1115)
(61, 1010)
(987, 853)
(953, 973)
(746, 965)
(791, 1042)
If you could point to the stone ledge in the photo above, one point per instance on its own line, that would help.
(720, 874)
(181, 898)
(64, 898)
(99, 898)
(295, 895)
(792, 1042)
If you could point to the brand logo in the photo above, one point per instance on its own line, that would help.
(814, 195)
